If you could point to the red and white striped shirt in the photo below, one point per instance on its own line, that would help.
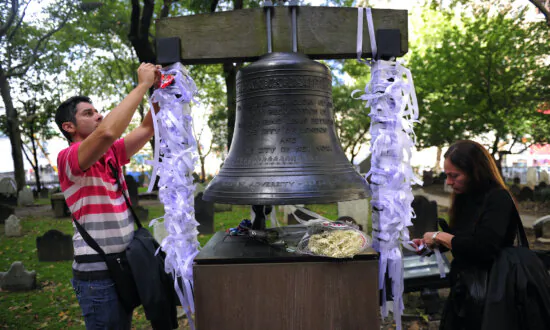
(96, 202)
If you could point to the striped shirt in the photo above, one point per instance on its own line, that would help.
(96, 202)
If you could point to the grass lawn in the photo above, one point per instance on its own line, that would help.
(53, 304)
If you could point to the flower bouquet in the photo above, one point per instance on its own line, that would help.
(316, 235)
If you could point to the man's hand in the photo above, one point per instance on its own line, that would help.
(148, 74)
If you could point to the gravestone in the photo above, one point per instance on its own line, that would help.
(132, 189)
(17, 278)
(59, 206)
(142, 213)
(543, 176)
(44, 193)
(542, 229)
(13, 226)
(426, 217)
(541, 193)
(54, 246)
(204, 214)
(8, 186)
(357, 209)
(5, 212)
(447, 188)
(526, 194)
(427, 177)
(25, 197)
(8, 191)
(515, 190)
(532, 177)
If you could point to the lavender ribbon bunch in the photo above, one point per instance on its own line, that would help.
(394, 110)
(174, 162)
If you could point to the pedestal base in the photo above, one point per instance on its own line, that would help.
(277, 290)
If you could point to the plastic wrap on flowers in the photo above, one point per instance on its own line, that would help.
(333, 239)
(174, 162)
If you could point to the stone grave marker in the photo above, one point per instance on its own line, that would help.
(426, 217)
(8, 191)
(515, 190)
(59, 206)
(525, 194)
(44, 193)
(357, 209)
(543, 176)
(204, 214)
(25, 197)
(8, 186)
(54, 246)
(17, 278)
(428, 177)
(142, 214)
(532, 177)
(132, 189)
(542, 229)
(13, 226)
(5, 212)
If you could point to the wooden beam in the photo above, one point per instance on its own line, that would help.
(241, 35)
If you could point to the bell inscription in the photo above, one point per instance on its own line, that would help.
(285, 149)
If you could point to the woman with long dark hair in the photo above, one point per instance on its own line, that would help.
(483, 221)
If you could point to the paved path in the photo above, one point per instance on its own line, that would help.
(527, 219)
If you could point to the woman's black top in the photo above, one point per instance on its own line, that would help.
(484, 224)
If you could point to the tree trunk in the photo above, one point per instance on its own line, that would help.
(13, 132)
(203, 171)
(230, 74)
(36, 167)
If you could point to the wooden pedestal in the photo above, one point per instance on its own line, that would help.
(282, 291)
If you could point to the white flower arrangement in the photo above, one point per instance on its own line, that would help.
(339, 243)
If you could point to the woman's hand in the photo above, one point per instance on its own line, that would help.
(441, 238)
(419, 245)
(429, 238)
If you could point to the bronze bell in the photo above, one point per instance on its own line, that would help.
(285, 149)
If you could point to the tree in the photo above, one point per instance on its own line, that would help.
(351, 117)
(22, 43)
(544, 7)
(486, 74)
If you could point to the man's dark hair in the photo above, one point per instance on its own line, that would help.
(66, 112)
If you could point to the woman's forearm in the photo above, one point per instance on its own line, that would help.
(444, 239)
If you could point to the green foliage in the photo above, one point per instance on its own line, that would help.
(485, 73)
(53, 304)
(352, 119)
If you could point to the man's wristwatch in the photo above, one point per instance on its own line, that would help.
(434, 236)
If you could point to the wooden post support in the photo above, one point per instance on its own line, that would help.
(323, 33)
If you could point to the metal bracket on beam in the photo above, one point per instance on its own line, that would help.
(268, 5)
(388, 43)
(168, 50)
(293, 4)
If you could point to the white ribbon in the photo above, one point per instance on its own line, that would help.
(390, 95)
(174, 162)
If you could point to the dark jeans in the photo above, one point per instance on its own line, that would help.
(100, 306)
